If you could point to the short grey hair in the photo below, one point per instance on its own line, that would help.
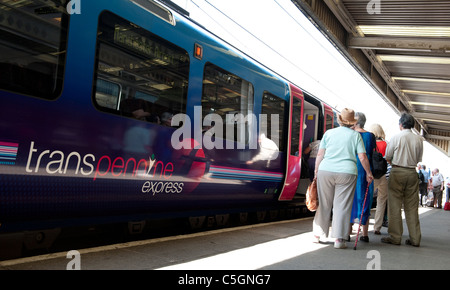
(361, 119)
(406, 120)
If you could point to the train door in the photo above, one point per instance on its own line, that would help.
(294, 153)
(311, 124)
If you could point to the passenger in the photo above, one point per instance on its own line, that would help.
(140, 114)
(437, 181)
(362, 183)
(133, 107)
(423, 187)
(166, 119)
(154, 119)
(380, 184)
(312, 149)
(336, 173)
(404, 151)
(447, 195)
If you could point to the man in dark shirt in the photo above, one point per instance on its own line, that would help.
(423, 184)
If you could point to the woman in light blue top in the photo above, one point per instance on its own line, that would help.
(336, 173)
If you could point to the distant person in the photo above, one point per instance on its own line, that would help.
(447, 186)
(166, 119)
(140, 114)
(437, 181)
(336, 172)
(423, 184)
(380, 184)
(312, 149)
(362, 183)
(404, 151)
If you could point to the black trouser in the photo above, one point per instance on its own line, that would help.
(423, 191)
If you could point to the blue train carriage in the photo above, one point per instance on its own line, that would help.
(87, 103)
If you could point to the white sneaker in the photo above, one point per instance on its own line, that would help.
(340, 244)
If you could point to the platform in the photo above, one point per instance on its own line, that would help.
(284, 245)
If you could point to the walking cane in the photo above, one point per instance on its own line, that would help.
(362, 212)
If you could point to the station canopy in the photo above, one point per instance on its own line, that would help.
(402, 47)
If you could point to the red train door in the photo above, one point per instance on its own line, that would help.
(294, 150)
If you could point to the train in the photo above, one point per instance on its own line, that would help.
(128, 110)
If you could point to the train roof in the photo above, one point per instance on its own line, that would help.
(181, 15)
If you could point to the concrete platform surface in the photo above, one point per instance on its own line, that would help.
(284, 245)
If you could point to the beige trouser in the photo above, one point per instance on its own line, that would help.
(382, 197)
(335, 192)
(403, 186)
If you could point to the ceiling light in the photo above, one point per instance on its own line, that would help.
(421, 80)
(434, 120)
(414, 59)
(413, 31)
(430, 104)
(426, 93)
(226, 109)
(161, 87)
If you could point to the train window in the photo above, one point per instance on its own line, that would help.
(139, 74)
(230, 97)
(33, 47)
(329, 122)
(273, 110)
(295, 131)
(108, 94)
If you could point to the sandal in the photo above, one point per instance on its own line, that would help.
(364, 239)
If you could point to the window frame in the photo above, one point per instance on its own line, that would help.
(28, 84)
(282, 137)
(140, 57)
(251, 123)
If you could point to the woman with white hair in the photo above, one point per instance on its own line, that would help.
(362, 184)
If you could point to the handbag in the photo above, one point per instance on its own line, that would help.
(379, 164)
(430, 198)
(447, 205)
(312, 201)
